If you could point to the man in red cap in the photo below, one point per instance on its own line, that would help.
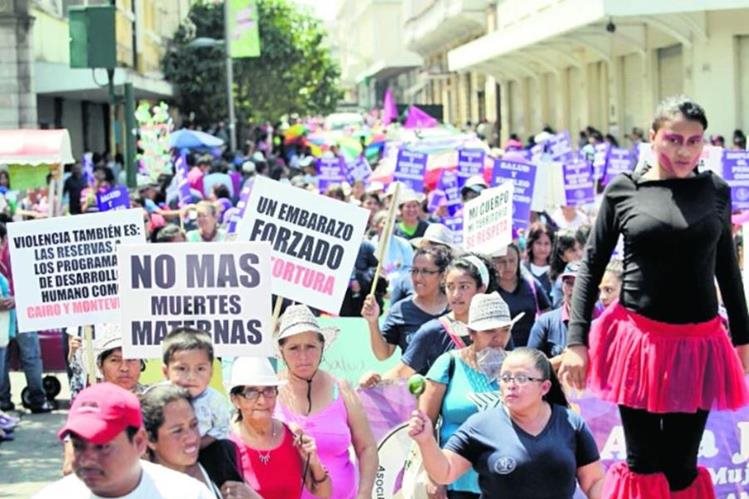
(106, 428)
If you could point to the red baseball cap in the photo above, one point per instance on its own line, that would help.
(101, 412)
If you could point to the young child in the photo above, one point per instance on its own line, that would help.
(188, 362)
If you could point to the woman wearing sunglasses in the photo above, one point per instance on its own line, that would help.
(406, 316)
(278, 461)
(532, 446)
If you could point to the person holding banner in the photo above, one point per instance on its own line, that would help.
(662, 353)
(324, 407)
(277, 460)
(531, 446)
(464, 381)
(406, 316)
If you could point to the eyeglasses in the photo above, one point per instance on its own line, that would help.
(520, 379)
(253, 394)
(417, 271)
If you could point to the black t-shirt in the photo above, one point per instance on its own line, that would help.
(677, 240)
(522, 300)
(430, 341)
(73, 187)
(402, 321)
(513, 464)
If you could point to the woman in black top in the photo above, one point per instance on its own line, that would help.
(662, 353)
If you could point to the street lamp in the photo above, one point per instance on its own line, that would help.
(205, 42)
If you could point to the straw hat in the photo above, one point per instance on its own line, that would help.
(253, 371)
(436, 233)
(107, 337)
(298, 319)
(489, 311)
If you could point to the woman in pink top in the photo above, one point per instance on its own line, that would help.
(324, 407)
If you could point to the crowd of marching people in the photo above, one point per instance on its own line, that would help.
(637, 296)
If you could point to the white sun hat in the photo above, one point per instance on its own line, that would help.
(490, 311)
(253, 371)
(298, 319)
(436, 233)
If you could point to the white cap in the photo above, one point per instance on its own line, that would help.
(436, 233)
(490, 311)
(253, 371)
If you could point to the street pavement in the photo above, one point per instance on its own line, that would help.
(34, 458)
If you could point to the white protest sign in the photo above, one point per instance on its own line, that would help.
(487, 220)
(65, 269)
(315, 241)
(223, 290)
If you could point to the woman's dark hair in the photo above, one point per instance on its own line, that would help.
(555, 395)
(221, 191)
(153, 402)
(535, 231)
(673, 106)
(518, 270)
(582, 233)
(564, 240)
(371, 195)
(465, 265)
(441, 255)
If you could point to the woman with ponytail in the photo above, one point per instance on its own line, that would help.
(533, 446)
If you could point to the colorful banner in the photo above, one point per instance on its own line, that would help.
(315, 241)
(233, 218)
(487, 220)
(331, 170)
(470, 163)
(620, 161)
(69, 267)
(523, 178)
(223, 290)
(724, 450)
(736, 173)
(410, 168)
(579, 188)
(243, 28)
(116, 198)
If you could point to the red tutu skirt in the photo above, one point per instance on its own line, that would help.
(646, 364)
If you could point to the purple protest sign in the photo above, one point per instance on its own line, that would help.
(523, 177)
(449, 184)
(736, 173)
(470, 163)
(237, 213)
(455, 224)
(559, 146)
(116, 198)
(600, 160)
(359, 170)
(330, 171)
(410, 168)
(620, 161)
(578, 181)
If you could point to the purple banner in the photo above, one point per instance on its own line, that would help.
(470, 163)
(116, 198)
(620, 161)
(578, 181)
(523, 177)
(559, 146)
(410, 168)
(359, 170)
(181, 170)
(601, 160)
(736, 173)
(455, 224)
(232, 218)
(724, 450)
(449, 185)
(331, 170)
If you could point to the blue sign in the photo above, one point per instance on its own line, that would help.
(116, 198)
(523, 177)
(410, 168)
(736, 173)
(470, 163)
(579, 187)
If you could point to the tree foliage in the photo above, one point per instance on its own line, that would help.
(295, 72)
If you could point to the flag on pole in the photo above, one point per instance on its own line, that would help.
(389, 111)
(418, 118)
(242, 28)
